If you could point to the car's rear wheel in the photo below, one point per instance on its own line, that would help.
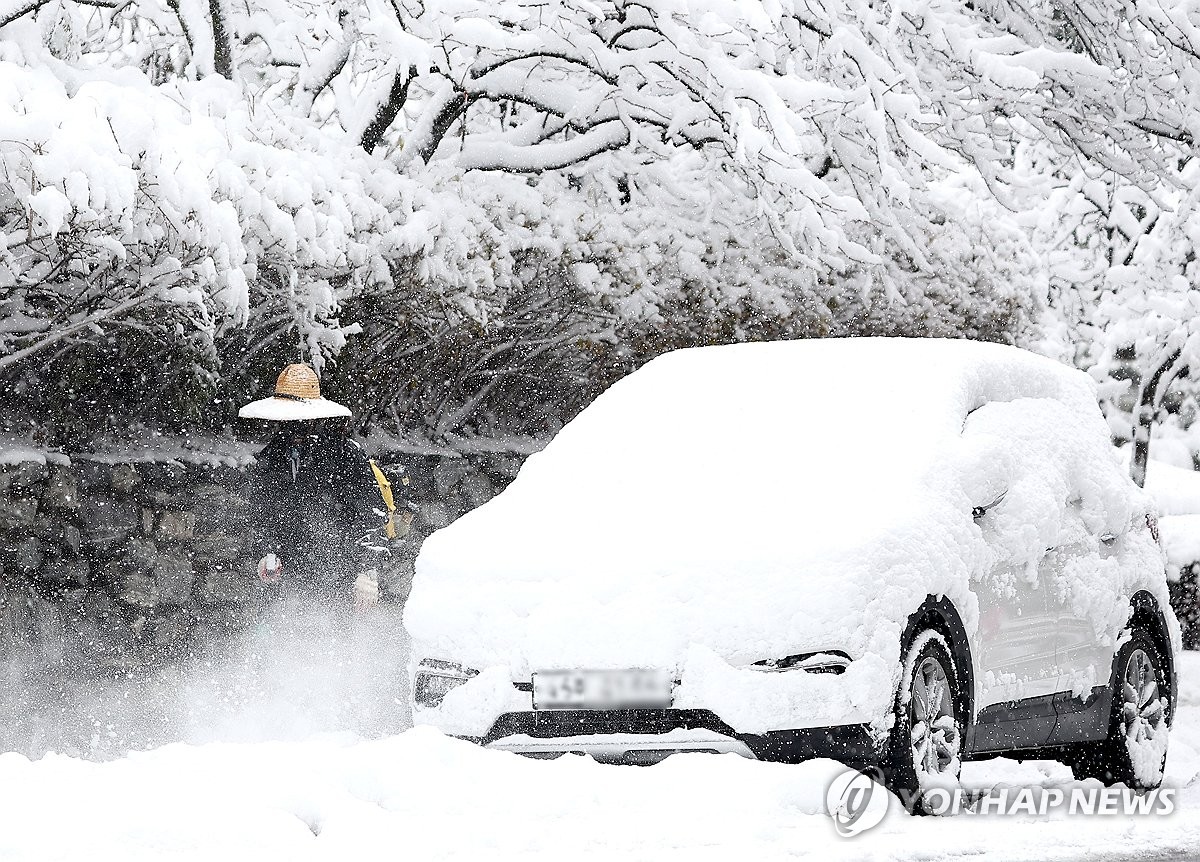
(925, 744)
(1135, 751)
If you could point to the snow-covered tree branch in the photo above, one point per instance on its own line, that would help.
(697, 170)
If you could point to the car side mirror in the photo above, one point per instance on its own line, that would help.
(979, 511)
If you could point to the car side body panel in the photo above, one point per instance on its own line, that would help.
(1018, 624)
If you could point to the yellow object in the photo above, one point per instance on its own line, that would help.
(385, 489)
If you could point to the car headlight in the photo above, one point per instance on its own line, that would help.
(811, 662)
(436, 678)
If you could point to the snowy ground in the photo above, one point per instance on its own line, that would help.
(418, 795)
(302, 670)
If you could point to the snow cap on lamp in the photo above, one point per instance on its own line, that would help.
(297, 397)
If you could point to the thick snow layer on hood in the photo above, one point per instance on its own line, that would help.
(768, 499)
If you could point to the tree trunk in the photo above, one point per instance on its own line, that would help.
(1150, 396)
(222, 46)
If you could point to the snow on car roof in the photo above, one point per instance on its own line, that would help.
(715, 480)
(826, 423)
(818, 437)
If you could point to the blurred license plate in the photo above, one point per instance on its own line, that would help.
(601, 689)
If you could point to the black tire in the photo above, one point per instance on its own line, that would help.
(1133, 756)
(924, 660)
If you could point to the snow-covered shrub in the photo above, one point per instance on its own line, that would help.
(537, 360)
(980, 279)
(141, 230)
(303, 179)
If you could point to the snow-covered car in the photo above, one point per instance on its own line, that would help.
(891, 552)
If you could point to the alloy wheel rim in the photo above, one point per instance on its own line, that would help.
(1142, 709)
(935, 737)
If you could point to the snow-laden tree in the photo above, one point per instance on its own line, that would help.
(818, 115)
(1149, 310)
(698, 170)
(1107, 172)
(1122, 268)
(810, 135)
(163, 214)
(1102, 163)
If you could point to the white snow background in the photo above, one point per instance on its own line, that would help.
(421, 796)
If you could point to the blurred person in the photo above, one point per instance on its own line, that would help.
(322, 513)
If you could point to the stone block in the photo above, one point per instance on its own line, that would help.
(133, 587)
(27, 476)
(228, 584)
(501, 466)
(448, 473)
(61, 492)
(214, 549)
(17, 514)
(106, 521)
(435, 514)
(477, 489)
(175, 526)
(22, 554)
(72, 540)
(66, 573)
(124, 479)
(130, 574)
(174, 576)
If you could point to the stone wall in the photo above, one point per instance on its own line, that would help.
(106, 568)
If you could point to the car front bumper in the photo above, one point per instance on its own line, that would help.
(649, 735)
(781, 716)
(629, 748)
(747, 701)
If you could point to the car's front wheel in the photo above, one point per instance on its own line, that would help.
(925, 744)
(1135, 751)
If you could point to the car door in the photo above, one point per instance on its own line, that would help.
(1084, 576)
(1018, 671)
